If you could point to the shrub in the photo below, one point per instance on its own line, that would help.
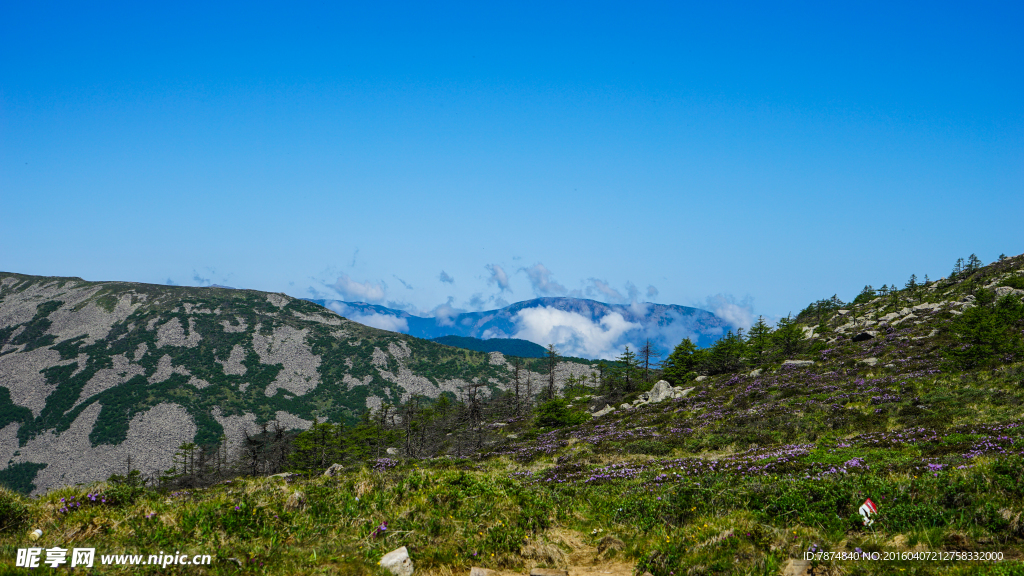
(555, 413)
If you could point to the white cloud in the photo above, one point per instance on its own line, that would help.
(634, 293)
(382, 321)
(603, 291)
(446, 278)
(573, 334)
(444, 313)
(543, 285)
(359, 292)
(498, 277)
(735, 314)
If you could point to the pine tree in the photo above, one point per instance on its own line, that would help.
(973, 264)
(788, 336)
(759, 341)
(680, 362)
(552, 358)
(628, 369)
(958, 269)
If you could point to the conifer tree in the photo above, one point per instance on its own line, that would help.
(552, 359)
(680, 362)
(759, 341)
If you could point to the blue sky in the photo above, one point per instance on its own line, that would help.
(770, 153)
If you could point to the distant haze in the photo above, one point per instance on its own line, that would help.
(577, 327)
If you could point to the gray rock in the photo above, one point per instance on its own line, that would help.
(392, 451)
(755, 373)
(477, 571)
(334, 470)
(397, 562)
(625, 406)
(662, 391)
(606, 410)
(869, 361)
(700, 378)
(680, 393)
(1002, 291)
(798, 363)
(907, 318)
(842, 312)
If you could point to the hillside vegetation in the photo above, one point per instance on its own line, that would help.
(115, 372)
(912, 397)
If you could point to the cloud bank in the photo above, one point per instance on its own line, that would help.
(382, 321)
(573, 334)
(359, 291)
(540, 279)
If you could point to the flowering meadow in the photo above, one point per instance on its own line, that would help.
(749, 473)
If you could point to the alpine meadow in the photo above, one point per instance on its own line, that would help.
(281, 438)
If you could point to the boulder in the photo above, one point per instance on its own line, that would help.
(606, 410)
(808, 332)
(700, 378)
(334, 470)
(864, 336)
(392, 451)
(548, 572)
(397, 562)
(755, 373)
(662, 391)
(681, 393)
(890, 317)
(477, 571)
(625, 406)
(868, 361)
(1007, 290)
(798, 363)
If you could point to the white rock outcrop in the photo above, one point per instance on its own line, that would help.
(398, 562)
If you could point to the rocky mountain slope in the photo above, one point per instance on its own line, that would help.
(94, 374)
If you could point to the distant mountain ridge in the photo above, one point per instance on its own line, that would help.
(507, 346)
(666, 323)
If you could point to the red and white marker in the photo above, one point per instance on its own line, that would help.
(866, 510)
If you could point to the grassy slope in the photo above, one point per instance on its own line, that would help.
(740, 477)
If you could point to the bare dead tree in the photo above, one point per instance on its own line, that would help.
(648, 354)
(552, 361)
